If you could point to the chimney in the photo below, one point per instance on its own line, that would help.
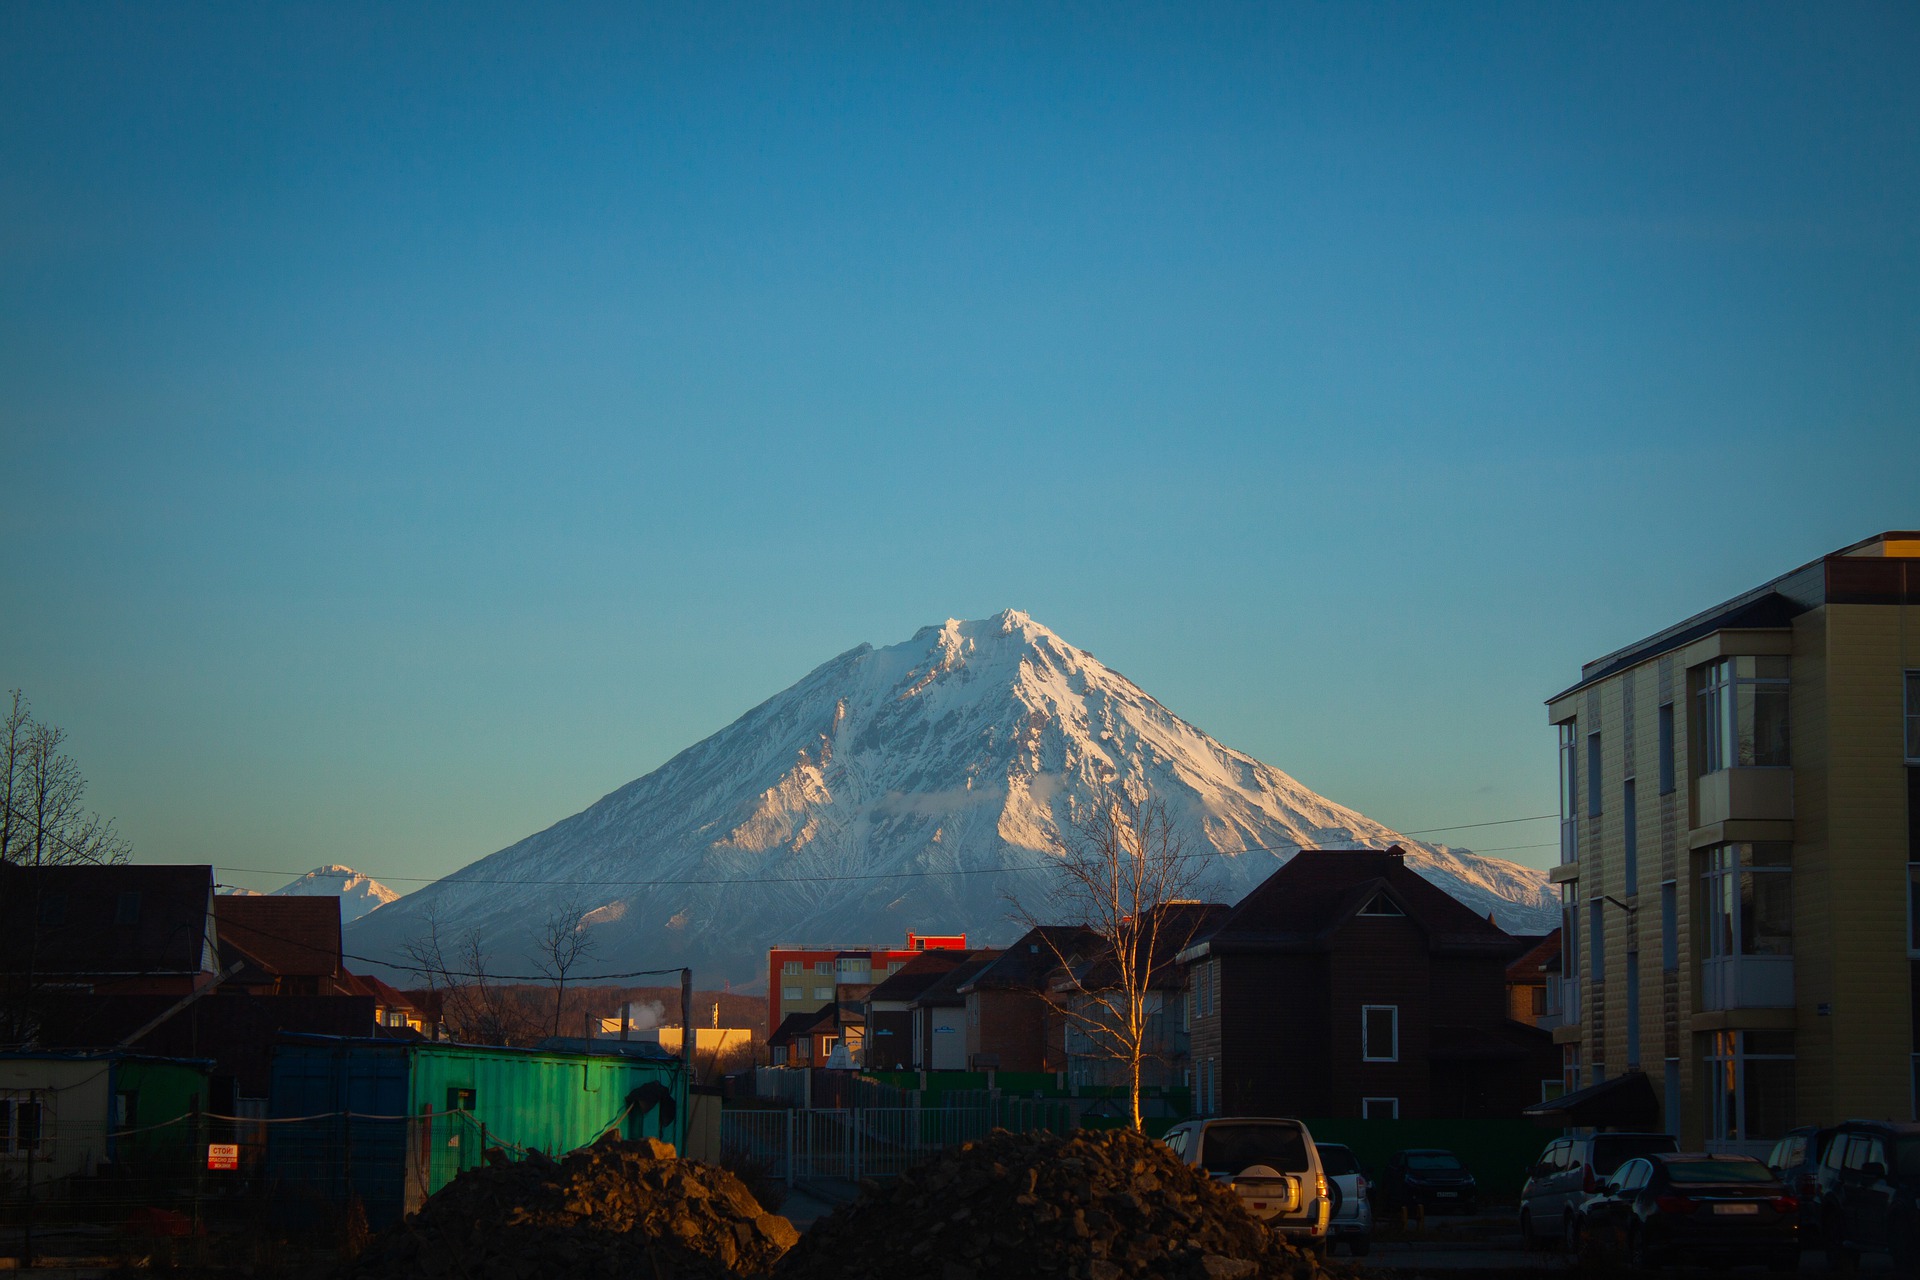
(1397, 854)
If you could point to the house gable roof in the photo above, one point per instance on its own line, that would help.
(946, 990)
(119, 920)
(916, 976)
(1302, 905)
(1030, 963)
(291, 936)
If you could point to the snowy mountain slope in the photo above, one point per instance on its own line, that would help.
(910, 787)
(358, 894)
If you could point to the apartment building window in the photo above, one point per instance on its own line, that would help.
(1630, 837)
(823, 993)
(790, 967)
(1667, 780)
(1570, 931)
(1593, 775)
(1633, 1009)
(1746, 895)
(1913, 717)
(1569, 793)
(792, 993)
(1669, 926)
(1380, 1032)
(1743, 713)
(1597, 940)
(1751, 1079)
(823, 966)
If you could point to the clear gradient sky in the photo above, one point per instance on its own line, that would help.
(417, 421)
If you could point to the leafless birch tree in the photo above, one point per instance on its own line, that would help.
(560, 945)
(1124, 875)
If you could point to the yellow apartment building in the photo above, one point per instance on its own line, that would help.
(1740, 855)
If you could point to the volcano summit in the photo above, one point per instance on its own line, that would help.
(910, 787)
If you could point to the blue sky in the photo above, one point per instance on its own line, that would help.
(417, 422)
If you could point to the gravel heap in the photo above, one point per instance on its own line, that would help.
(1093, 1206)
(615, 1209)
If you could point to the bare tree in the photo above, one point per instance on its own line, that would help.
(475, 1006)
(560, 945)
(44, 820)
(1124, 877)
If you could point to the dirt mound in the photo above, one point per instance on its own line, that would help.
(1094, 1206)
(615, 1209)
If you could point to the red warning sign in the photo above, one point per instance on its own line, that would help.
(223, 1155)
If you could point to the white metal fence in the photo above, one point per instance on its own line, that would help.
(870, 1142)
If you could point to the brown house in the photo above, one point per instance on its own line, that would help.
(1011, 1024)
(890, 1041)
(1348, 985)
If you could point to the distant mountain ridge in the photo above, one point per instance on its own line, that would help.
(909, 787)
(358, 893)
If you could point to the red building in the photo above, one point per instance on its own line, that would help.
(802, 979)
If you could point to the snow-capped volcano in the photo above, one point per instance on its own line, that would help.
(358, 894)
(911, 787)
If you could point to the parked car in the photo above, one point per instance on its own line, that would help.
(1795, 1160)
(1352, 1221)
(1428, 1178)
(1570, 1170)
(1272, 1164)
(1718, 1210)
(1869, 1177)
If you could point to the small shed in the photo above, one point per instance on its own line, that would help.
(391, 1122)
(73, 1113)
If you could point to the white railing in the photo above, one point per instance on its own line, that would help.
(873, 1142)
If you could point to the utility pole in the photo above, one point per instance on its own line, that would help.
(686, 1023)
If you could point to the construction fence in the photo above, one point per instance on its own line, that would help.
(849, 1143)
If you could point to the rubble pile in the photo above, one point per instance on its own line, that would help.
(1094, 1206)
(615, 1209)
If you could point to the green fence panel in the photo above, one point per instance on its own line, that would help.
(1498, 1152)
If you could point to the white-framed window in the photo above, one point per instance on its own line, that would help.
(1380, 1033)
(823, 966)
(1668, 781)
(823, 993)
(1746, 900)
(777, 1055)
(1750, 1089)
(1379, 1108)
(792, 993)
(1743, 713)
(790, 967)
(1569, 792)
(26, 1123)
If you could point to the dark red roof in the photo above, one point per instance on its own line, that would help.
(946, 991)
(1537, 961)
(121, 920)
(292, 936)
(1299, 907)
(917, 975)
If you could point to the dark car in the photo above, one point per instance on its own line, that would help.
(1795, 1160)
(1719, 1210)
(1570, 1170)
(1427, 1177)
(1869, 1177)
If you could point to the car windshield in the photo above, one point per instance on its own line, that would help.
(1611, 1150)
(1906, 1157)
(1229, 1148)
(1432, 1161)
(1338, 1162)
(1685, 1171)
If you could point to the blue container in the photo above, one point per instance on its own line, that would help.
(391, 1122)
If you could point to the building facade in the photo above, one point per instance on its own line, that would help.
(801, 979)
(1740, 854)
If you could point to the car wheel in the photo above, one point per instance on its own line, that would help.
(1360, 1246)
